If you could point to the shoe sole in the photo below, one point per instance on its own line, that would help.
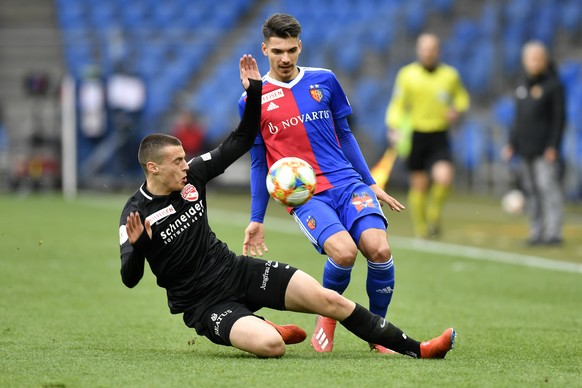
(453, 339)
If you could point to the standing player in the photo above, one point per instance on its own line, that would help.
(217, 291)
(429, 96)
(304, 114)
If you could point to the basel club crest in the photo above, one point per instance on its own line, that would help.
(316, 93)
(311, 224)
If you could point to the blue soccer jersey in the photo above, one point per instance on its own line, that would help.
(299, 118)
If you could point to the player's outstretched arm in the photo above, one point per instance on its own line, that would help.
(242, 138)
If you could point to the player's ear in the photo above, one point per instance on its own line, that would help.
(152, 168)
(264, 48)
(299, 45)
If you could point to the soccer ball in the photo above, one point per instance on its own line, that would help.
(291, 181)
(513, 202)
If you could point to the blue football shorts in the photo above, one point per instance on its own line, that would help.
(352, 207)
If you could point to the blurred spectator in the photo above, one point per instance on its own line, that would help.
(427, 101)
(92, 104)
(36, 84)
(4, 148)
(3, 133)
(535, 137)
(191, 133)
(126, 96)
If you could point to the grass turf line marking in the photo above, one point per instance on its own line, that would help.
(288, 226)
(437, 247)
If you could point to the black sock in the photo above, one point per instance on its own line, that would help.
(375, 329)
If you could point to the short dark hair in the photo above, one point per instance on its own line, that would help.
(281, 25)
(150, 148)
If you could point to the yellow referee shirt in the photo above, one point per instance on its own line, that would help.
(425, 97)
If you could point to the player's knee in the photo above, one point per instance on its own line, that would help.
(443, 173)
(380, 253)
(375, 247)
(271, 347)
(346, 257)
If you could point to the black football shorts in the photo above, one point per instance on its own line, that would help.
(428, 148)
(264, 284)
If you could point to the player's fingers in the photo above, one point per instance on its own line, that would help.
(253, 63)
(246, 244)
(148, 228)
(243, 67)
(131, 221)
(265, 247)
(395, 205)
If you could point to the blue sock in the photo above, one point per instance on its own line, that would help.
(336, 277)
(380, 286)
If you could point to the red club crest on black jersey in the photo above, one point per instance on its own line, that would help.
(189, 193)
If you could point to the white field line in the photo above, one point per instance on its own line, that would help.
(279, 225)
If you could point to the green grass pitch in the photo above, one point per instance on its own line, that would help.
(66, 320)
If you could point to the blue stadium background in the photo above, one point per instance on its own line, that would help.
(187, 52)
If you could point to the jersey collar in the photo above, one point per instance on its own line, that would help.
(287, 85)
(144, 191)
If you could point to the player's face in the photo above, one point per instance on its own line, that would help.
(282, 54)
(170, 174)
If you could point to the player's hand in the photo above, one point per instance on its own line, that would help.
(507, 153)
(452, 116)
(393, 137)
(392, 203)
(254, 243)
(248, 70)
(550, 154)
(135, 228)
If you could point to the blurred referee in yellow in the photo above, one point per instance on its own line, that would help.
(428, 98)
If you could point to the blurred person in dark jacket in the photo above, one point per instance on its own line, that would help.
(535, 138)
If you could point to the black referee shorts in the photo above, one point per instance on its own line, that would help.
(428, 148)
(264, 284)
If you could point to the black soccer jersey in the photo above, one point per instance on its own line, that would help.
(186, 257)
